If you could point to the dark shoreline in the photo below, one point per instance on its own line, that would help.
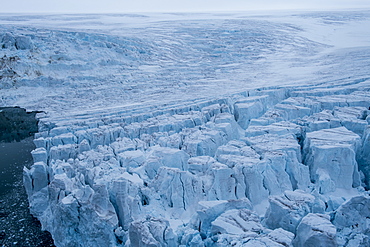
(17, 226)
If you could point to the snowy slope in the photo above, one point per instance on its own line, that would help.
(195, 129)
(99, 61)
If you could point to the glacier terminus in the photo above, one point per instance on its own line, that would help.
(209, 130)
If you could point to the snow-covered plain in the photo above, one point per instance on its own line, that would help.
(195, 129)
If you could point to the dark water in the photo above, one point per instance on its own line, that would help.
(17, 226)
(14, 156)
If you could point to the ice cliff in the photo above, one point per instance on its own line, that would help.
(268, 167)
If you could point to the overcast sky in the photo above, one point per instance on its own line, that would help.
(124, 6)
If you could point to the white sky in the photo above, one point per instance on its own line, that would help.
(124, 6)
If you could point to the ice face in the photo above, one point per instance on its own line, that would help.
(286, 211)
(315, 229)
(189, 154)
(202, 184)
(352, 221)
(331, 157)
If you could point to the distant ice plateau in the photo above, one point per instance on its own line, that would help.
(195, 130)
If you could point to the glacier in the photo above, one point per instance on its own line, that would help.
(195, 130)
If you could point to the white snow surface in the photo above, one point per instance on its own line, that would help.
(223, 129)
